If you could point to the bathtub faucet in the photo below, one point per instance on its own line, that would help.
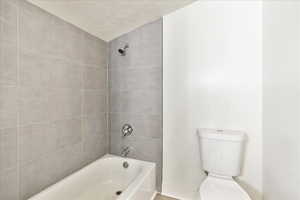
(125, 151)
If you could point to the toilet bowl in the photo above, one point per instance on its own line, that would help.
(221, 155)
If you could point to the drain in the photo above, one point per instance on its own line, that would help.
(125, 165)
(118, 192)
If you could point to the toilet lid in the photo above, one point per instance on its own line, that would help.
(222, 189)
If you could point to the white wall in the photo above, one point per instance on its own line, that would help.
(212, 79)
(281, 100)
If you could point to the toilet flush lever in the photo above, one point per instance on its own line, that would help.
(127, 130)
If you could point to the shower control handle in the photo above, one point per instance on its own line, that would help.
(127, 130)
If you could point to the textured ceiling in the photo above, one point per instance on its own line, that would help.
(108, 19)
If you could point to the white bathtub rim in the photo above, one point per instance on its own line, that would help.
(124, 158)
(83, 170)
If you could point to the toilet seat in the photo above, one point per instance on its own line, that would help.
(219, 188)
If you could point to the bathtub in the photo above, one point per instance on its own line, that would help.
(106, 179)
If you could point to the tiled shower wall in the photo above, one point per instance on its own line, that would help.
(136, 94)
(52, 99)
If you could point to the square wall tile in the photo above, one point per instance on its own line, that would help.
(68, 131)
(40, 174)
(137, 102)
(35, 69)
(8, 107)
(95, 145)
(8, 149)
(43, 71)
(95, 78)
(8, 64)
(94, 103)
(95, 137)
(8, 33)
(135, 79)
(94, 51)
(95, 125)
(64, 103)
(36, 141)
(9, 187)
(34, 105)
(70, 159)
(66, 40)
(65, 74)
(35, 33)
(8, 120)
(8, 12)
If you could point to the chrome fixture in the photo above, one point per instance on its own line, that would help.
(127, 130)
(125, 151)
(122, 51)
(125, 165)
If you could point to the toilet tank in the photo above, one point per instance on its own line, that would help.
(222, 151)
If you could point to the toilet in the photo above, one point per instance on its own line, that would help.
(222, 156)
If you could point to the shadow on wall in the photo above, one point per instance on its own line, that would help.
(254, 194)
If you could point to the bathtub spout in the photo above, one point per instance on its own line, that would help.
(125, 151)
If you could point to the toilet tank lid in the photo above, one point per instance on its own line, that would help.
(224, 135)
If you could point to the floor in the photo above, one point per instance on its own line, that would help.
(160, 197)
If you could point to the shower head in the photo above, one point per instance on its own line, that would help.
(122, 51)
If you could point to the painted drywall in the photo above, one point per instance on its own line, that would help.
(212, 79)
(52, 99)
(281, 100)
(136, 94)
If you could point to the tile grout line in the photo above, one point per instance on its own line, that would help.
(83, 116)
(108, 124)
(18, 107)
(162, 102)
